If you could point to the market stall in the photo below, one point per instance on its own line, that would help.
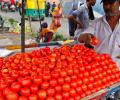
(52, 71)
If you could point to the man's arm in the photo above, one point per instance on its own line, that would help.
(74, 18)
(77, 13)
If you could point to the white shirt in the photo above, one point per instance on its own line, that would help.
(109, 40)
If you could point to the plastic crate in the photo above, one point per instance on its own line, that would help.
(34, 13)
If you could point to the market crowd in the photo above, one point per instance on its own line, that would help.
(10, 6)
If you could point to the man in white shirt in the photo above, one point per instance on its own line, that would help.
(106, 29)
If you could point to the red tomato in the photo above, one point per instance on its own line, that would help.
(7, 90)
(12, 96)
(79, 90)
(25, 91)
(74, 77)
(46, 77)
(73, 84)
(65, 95)
(37, 80)
(53, 82)
(58, 88)
(58, 97)
(66, 87)
(90, 86)
(63, 73)
(2, 85)
(51, 91)
(23, 98)
(84, 87)
(79, 82)
(55, 75)
(73, 92)
(34, 88)
(50, 98)
(70, 72)
(94, 41)
(16, 87)
(33, 97)
(44, 85)
(85, 80)
(67, 79)
(60, 81)
(42, 94)
(26, 82)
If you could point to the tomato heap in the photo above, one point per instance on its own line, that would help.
(59, 74)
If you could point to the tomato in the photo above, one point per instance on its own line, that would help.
(9, 80)
(34, 88)
(90, 86)
(50, 98)
(7, 90)
(94, 41)
(65, 95)
(44, 85)
(74, 77)
(84, 87)
(67, 79)
(58, 97)
(12, 96)
(42, 94)
(37, 80)
(23, 98)
(85, 80)
(16, 86)
(58, 88)
(33, 97)
(60, 81)
(70, 72)
(51, 91)
(26, 82)
(53, 82)
(63, 73)
(3, 85)
(46, 77)
(25, 91)
(66, 87)
(88, 92)
(55, 75)
(79, 90)
(72, 92)
(73, 84)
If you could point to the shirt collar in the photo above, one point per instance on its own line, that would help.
(104, 19)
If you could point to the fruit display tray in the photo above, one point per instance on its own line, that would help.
(102, 93)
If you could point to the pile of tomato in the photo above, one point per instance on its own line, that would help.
(65, 73)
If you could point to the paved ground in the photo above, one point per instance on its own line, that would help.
(7, 38)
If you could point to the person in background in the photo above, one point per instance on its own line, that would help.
(45, 33)
(81, 16)
(56, 15)
(47, 9)
(53, 6)
(72, 24)
(107, 30)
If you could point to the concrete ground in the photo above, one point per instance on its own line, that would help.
(7, 38)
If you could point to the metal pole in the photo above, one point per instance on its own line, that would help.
(39, 13)
(23, 28)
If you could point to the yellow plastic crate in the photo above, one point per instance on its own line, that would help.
(32, 4)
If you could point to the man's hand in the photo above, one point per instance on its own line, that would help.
(119, 55)
(85, 38)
